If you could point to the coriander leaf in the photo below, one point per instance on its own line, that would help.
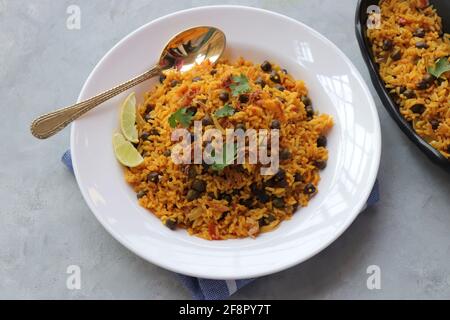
(182, 116)
(227, 159)
(441, 66)
(226, 111)
(173, 121)
(218, 167)
(240, 85)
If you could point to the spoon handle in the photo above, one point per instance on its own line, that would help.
(49, 124)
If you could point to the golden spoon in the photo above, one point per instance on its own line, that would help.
(184, 51)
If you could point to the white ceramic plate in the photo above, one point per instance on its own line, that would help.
(336, 88)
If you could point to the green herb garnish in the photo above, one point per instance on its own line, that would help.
(226, 111)
(182, 116)
(441, 66)
(240, 85)
(227, 159)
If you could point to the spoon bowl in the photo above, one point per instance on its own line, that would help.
(185, 50)
(192, 47)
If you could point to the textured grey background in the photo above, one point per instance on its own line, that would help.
(45, 225)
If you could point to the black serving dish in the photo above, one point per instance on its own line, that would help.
(443, 9)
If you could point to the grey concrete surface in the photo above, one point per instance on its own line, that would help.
(45, 226)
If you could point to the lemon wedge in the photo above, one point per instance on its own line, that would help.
(125, 152)
(128, 119)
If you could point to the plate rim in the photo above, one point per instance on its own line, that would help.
(243, 274)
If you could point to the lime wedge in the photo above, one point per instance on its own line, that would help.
(128, 119)
(125, 152)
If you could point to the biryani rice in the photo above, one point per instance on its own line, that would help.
(229, 207)
(412, 30)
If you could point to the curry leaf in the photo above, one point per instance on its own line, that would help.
(441, 66)
(182, 116)
(240, 85)
(226, 111)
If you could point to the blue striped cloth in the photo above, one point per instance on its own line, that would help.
(205, 289)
